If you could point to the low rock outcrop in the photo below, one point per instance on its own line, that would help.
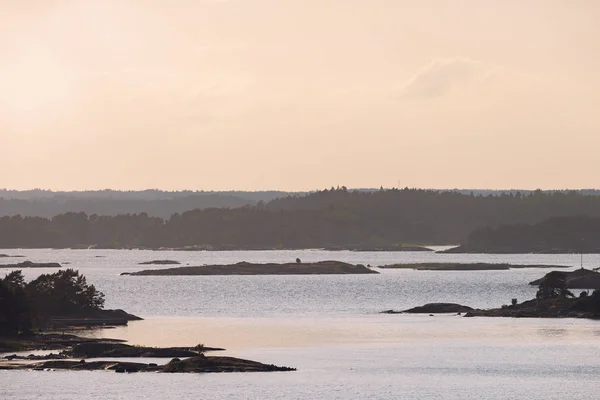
(244, 268)
(160, 262)
(198, 364)
(465, 266)
(439, 308)
(102, 349)
(560, 307)
(29, 264)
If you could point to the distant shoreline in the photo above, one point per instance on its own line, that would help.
(467, 266)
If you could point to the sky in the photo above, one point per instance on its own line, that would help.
(299, 94)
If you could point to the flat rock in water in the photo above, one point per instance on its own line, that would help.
(160, 262)
(465, 266)
(244, 268)
(439, 308)
(29, 264)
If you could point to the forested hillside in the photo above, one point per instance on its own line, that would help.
(335, 217)
(43, 203)
(554, 235)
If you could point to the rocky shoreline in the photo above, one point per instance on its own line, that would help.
(75, 349)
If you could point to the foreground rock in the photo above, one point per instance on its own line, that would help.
(160, 262)
(47, 341)
(80, 348)
(465, 266)
(244, 268)
(433, 308)
(108, 349)
(579, 279)
(29, 264)
(197, 364)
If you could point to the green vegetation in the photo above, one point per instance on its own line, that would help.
(329, 218)
(24, 306)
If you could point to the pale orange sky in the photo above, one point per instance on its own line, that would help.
(299, 94)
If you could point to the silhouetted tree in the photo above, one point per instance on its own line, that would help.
(552, 286)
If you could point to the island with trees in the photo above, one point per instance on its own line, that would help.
(553, 300)
(30, 313)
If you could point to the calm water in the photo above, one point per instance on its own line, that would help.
(329, 328)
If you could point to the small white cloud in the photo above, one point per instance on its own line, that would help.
(444, 75)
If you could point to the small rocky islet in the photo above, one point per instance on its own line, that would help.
(30, 264)
(246, 268)
(466, 266)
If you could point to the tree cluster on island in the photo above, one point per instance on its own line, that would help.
(336, 217)
(26, 306)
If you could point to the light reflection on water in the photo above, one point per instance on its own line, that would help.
(329, 328)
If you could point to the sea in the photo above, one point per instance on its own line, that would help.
(330, 328)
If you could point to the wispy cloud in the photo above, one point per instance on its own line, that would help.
(441, 76)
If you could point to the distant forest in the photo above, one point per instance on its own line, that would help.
(336, 217)
(554, 235)
(158, 203)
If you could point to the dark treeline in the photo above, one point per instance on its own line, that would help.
(163, 208)
(554, 235)
(156, 203)
(334, 217)
(30, 305)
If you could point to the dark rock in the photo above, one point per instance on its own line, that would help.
(98, 350)
(160, 262)
(560, 307)
(245, 268)
(29, 264)
(578, 279)
(465, 266)
(438, 308)
(220, 364)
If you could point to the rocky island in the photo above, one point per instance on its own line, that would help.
(245, 268)
(553, 300)
(64, 299)
(433, 308)
(465, 266)
(29, 264)
(160, 262)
